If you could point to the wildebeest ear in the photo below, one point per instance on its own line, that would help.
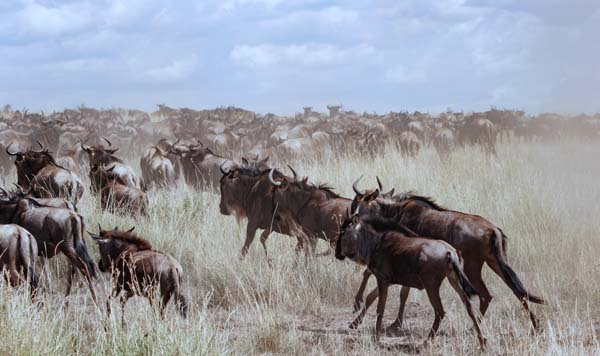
(355, 219)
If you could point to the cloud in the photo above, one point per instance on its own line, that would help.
(294, 55)
(174, 70)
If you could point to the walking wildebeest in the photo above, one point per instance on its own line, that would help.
(137, 269)
(314, 211)
(413, 262)
(18, 253)
(201, 166)
(115, 195)
(38, 172)
(55, 230)
(159, 165)
(246, 193)
(104, 156)
(479, 240)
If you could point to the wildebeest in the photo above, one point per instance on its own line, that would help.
(158, 168)
(443, 141)
(138, 269)
(247, 193)
(99, 155)
(314, 211)
(38, 172)
(409, 143)
(201, 166)
(18, 254)
(413, 262)
(115, 195)
(55, 230)
(479, 240)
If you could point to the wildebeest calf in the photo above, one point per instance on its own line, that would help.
(409, 261)
(138, 269)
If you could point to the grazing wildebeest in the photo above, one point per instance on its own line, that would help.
(38, 172)
(137, 269)
(55, 230)
(246, 193)
(115, 195)
(18, 253)
(412, 262)
(313, 211)
(479, 240)
(159, 166)
(104, 156)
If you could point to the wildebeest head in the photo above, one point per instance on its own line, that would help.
(99, 154)
(114, 244)
(347, 244)
(364, 197)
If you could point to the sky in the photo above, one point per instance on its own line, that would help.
(280, 55)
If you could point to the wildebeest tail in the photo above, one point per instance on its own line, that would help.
(465, 285)
(498, 245)
(180, 300)
(77, 229)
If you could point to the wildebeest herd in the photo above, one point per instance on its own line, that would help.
(403, 239)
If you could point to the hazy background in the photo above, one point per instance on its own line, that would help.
(276, 55)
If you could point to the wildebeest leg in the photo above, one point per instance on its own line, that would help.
(433, 293)
(361, 290)
(250, 232)
(123, 300)
(370, 299)
(473, 272)
(70, 275)
(77, 262)
(523, 299)
(164, 301)
(456, 285)
(263, 241)
(397, 324)
(382, 287)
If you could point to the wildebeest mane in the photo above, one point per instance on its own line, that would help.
(410, 195)
(380, 223)
(129, 238)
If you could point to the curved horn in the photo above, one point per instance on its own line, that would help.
(130, 230)
(107, 141)
(86, 149)
(379, 183)
(293, 171)
(355, 186)
(4, 191)
(8, 152)
(277, 184)
(222, 170)
(99, 228)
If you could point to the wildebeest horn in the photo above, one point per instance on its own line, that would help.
(222, 170)
(355, 186)
(8, 152)
(86, 149)
(379, 183)
(4, 192)
(107, 141)
(99, 228)
(244, 160)
(130, 230)
(199, 143)
(293, 171)
(277, 184)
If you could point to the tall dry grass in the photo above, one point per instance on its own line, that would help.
(545, 197)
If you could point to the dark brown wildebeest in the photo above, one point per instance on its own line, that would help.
(413, 262)
(247, 193)
(115, 195)
(137, 269)
(38, 172)
(18, 253)
(104, 156)
(55, 230)
(313, 211)
(479, 240)
(160, 167)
